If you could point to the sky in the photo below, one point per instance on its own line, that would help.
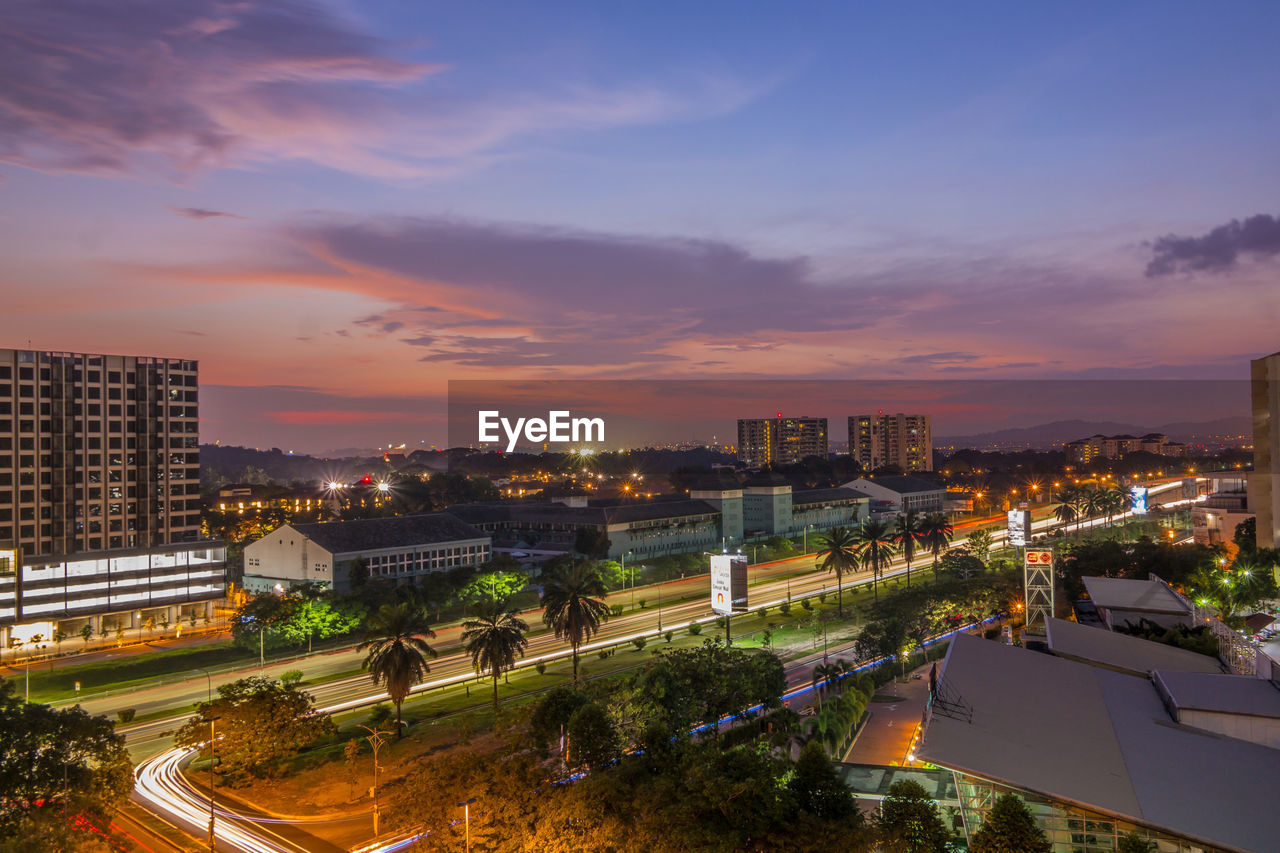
(338, 208)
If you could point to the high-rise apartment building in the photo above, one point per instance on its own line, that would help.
(1264, 484)
(100, 489)
(903, 440)
(781, 441)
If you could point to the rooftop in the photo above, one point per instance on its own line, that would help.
(1133, 655)
(370, 534)
(902, 484)
(553, 513)
(1124, 755)
(816, 496)
(1126, 594)
(1222, 694)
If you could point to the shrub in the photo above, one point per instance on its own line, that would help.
(616, 609)
(670, 635)
(381, 713)
(291, 677)
(785, 608)
(541, 667)
(695, 629)
(822, 598)
(639, 643)
(806, 604)
(719, 621)
(604, 654)
(643, 602)
(126, 714)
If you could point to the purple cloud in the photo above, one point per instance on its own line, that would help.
(111, 88)
(202, 213)
(1218, 250)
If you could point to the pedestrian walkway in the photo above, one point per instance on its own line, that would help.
(886, 738)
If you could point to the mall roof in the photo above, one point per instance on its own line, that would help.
(1136, 595)
(1245, 695)
(1101, 740)
(370, 534)
(1123, 652)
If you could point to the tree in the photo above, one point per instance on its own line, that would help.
(935, 535)
(1067, 510)
(1009, 828)
(907, 535)
(979, 542)
(908, 821)
(260, 724)
(592, 737)
(357, 573)
(591, 542)
(494, 639)
(56, 764)
(573, 604)
(496, 586)
(818, 788)
(839, 554)
(874, 546)
(398, 652)
(1135, 843)
(553, 712)
(86, 633)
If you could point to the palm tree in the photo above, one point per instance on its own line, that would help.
(1094, 502)
(906, 534)
(1120, 500)
(495, 638)
(573, 604)
(397, 651)
(935, 535)
(874, 547)
(838, 552)
(1068, 510)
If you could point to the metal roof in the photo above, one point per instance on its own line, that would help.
(1137, 595)
(1223, 694)
(371, 534)
(1133, 655)
(1102, 740)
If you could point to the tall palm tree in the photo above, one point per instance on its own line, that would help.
(935, 535)
(874, 547)
(1120, 500)
(1068, 509)
(838, 552)
(495, 638)
(906, 535)
(1094, 502)
(397, 651)
(573, 604)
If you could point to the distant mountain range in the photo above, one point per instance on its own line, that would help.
(1060, 432)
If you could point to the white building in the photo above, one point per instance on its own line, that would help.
(396, 548)
(895, 495)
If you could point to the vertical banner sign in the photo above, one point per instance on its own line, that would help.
(728, 583)
(1019, 526)
(1138, 495)
(1037, 566)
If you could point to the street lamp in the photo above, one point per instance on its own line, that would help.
(376, 740)
(465, 805)
(624, 579)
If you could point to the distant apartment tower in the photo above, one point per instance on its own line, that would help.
(1085, 450)
(781, 441)
(100, 489)
(1265, 482)
(903, 440)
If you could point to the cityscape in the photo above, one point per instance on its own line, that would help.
(610, 428)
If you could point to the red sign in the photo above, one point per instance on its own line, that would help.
(1039, 558)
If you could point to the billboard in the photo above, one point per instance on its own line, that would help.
(728, 583)
(1019, 526)
(1138, 495)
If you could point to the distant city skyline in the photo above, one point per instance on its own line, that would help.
(338, 222)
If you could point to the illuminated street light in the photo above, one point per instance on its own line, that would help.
(384, 487)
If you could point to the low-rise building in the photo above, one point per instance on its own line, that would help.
(894, 495)
(397, 549)
(1187, 761)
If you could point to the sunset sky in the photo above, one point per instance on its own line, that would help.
(338, 208)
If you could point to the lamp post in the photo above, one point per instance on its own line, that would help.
(376, 740)
(212, 843)
(209, 678)
(659, 607)
(465, 805)
(633, 580)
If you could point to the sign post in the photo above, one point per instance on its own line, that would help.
(1037, 567)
